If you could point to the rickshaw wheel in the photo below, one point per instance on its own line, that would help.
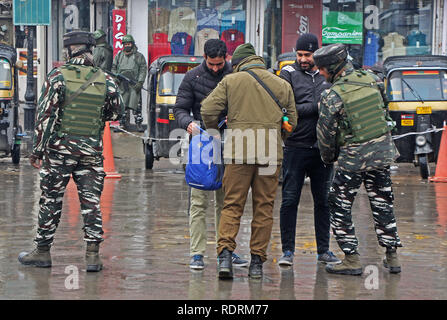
(149, 155)
(15, 154)
(423, 166)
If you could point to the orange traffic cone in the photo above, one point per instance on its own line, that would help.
(441, 166)
(109, 163)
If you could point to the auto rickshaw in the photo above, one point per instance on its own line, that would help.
(416, 87)
(165, 75)
(10, 131)
(284, 59)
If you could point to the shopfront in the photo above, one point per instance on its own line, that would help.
(376, 29)
(183, 26)
(372, 29)
(71, 15)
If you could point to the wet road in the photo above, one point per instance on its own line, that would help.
(146, 247)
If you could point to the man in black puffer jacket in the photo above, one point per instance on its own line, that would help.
(301, 155)
(199, 82)
(195, 87)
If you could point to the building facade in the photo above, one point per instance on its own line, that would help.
(372, 29)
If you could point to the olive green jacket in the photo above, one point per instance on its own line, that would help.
(103, 56)
(132, 66)
(254, 119)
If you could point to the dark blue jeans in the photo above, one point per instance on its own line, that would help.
(297, 164)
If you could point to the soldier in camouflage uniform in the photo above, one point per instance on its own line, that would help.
(131, 64)
(75, 102)
(353, 129)
(103, 52)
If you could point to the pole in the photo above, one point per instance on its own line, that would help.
(30, 107)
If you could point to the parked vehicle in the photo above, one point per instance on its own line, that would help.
(284, 59)
(10, 131)
(416, 87)
(165, 75)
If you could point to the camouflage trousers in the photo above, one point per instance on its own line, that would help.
(88, 174)
(380, 193)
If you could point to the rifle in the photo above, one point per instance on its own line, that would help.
(127, 80)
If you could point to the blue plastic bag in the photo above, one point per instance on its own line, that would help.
(205, 168)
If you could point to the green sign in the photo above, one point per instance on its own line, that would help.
(342, 27)
(32, 12)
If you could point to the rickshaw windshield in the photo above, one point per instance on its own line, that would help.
(414, 85)
(171, 76)
(5, 74)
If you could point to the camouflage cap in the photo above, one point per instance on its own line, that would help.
(331, 56)
(78, 37)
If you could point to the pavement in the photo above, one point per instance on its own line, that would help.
(146, 247)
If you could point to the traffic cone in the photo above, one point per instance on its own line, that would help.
(109, 163)
(441, 166)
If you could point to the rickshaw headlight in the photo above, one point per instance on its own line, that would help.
(420, 141)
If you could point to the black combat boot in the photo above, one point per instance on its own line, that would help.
(94, 263)
(39, 257)
(225, 268)
(255, 268)
(139, 121)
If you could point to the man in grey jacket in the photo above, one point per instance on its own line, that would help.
(103, 52)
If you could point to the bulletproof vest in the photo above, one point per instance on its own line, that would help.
(85, 93)
(364, 108)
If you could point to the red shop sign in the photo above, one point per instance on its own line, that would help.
(119, 29)
(299, 17)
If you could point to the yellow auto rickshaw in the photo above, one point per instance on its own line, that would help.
(165, 75)
(10, 131)
(416, 87)
(284, 59)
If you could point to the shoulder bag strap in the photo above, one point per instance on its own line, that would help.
(254, 75)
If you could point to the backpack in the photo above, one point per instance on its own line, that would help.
(204, 169)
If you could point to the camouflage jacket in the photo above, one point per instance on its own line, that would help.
(356, 157)
(49, 115)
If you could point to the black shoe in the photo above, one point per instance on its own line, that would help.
(225, 269)
(139, 122)
(94, 263)
(255, 269)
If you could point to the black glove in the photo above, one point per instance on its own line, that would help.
(138, 86)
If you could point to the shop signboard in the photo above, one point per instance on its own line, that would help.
(342, 27)
(119, 29)
(299, 17)
(31, 12)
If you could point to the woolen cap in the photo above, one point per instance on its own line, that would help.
(307, 42)
(242, 51)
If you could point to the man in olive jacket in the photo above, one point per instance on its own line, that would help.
(252, 151)
(103, 52)
(130, 63)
